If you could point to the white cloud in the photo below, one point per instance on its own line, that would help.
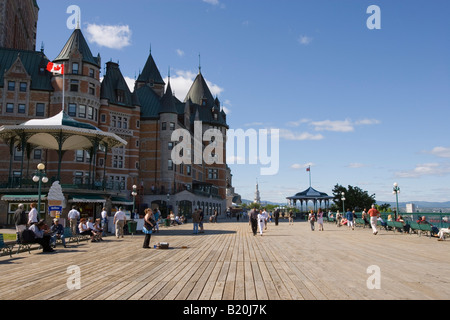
(113, 36)
(213, 2)
(334, 125)
(182, 82)
(441, 152)
(290, 135)
(305, 40)
(302, 166)
(130, 83)
(180, 52)
(426, 169)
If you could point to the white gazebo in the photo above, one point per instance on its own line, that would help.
(60, 133)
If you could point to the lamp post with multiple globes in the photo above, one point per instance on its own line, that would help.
(40, 177)
(396, 191)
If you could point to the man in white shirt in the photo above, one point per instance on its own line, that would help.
(73, 217)
(33, 214)
(119, 221)
(104, 221)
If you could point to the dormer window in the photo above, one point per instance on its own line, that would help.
(120, 95)
(75, 68)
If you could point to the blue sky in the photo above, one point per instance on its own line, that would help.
(363, 107)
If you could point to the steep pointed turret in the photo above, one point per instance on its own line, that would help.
(114, 87)
(168, 102)
(77, 43)
(200, 93)
(151, 76)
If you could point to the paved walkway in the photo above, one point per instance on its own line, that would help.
(289, 262)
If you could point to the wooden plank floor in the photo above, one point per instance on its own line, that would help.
(289, 262)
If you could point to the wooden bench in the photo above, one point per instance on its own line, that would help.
(360, 222)
(414, 227)
(6, 248)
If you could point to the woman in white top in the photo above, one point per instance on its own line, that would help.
(261, 222)
(33, 214)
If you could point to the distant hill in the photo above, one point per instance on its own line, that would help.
(419, 204)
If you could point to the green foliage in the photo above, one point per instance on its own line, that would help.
(355, 198)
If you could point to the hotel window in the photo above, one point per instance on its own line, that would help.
(17, 154)
(172, 126)
(125, 123)
(170, 164)
(103, 118)
(119, 122)
(163, 126)
(21, 109)
(138, 124)
(79, 156)
(118, 162)
(37, 154)
(23, 87)
(72, 110)
(91, 73)
(40, 109)
(10, 108)
(75, 68)
(78, 178)
(188, 170)
(181, 169)
(11, 86)
(92, 89)
(82, 111)
(90, 113)
(74, 85)
(212, 174)
(170, 145)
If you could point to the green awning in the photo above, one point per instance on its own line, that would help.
(22, 197)
(122, 201)
(86, 198)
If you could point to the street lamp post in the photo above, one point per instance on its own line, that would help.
(396, 191)
(343, 202)
(40, 177)
(134, 194)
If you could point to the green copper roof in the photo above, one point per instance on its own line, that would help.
(114, 81)
(150, 73)
(150, 102)
(168, 102)
(199, 91)
(77, 41)
(35, 63)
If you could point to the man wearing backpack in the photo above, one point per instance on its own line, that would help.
(20, 220)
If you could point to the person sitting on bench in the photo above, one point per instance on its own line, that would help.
(42, 235)
(57, 232)
(84, 230)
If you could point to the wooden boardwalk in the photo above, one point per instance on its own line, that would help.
(289, 262)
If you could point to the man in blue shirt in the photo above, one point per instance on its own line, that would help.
(349, 216)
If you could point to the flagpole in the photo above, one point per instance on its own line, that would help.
(309, 169)
(64, 82)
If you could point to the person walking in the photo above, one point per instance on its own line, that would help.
(311, 219)
(119, 221)
(200, 224)
(374, 214)
(320, 219)
(253, 220)
(350, 220)
(195, 221)
(20, 220)
(149, 224)
(276, 216)
(73, 217)
(104, 215)
(157, 215)
(291, 217)
(33, 215)
(261, 222)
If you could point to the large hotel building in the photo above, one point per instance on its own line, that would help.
(145, 118)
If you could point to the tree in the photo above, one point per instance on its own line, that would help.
(355, 198)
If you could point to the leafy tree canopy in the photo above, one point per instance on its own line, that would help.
(355, 198)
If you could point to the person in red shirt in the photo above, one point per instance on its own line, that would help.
(374, 214)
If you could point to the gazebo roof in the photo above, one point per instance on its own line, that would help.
(310, 194)
(59, 131)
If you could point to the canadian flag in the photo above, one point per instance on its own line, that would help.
(55, 68)
(308, 169)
